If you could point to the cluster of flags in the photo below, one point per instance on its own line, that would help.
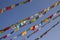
(13, 6)
(36, 27)
(30, 20)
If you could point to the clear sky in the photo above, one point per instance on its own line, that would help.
(23, 11)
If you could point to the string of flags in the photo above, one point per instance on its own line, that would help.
(47, 31)
(36, 26)
(13, 6)
(30, 19)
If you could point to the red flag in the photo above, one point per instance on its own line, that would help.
(32, 28)
(7, 28)
(8, 8)
(1, 10)
(51, 16)
(5, 36)
(28, 18)
(28, 0)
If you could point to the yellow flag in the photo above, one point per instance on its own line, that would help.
(16, 29)
(12, 6)
(33, 20)
(31, 28)
(58, 3)
(22, 2)
(24, 33)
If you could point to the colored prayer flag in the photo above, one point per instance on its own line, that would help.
(32, 28)
(33, 20)
(1, 10)
(1, 31)
(12, 6)
(45, 20)
(5, 36)
(16, 30)
(22, 3)
(24, 33)
(7, 28)
(8, 8)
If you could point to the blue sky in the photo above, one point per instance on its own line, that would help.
(23, 11)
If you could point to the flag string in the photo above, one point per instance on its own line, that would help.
(13, 6)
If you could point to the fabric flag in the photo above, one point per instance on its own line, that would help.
(59, 15)
(8, 8)
(5, 36)
(23, 22)
(51, 16)
(12, 32)
(33, 20)
(24, 33)
(25, 2)
(13, 6)
(45, 20)
(18, 26)
(1, 10)
(7, 28)
(58, 3)
(52, 6)
(16, 29)
(37, 14)
(28, 18)
(13, 26)
(1, 31)
(22, 2)
(34, 27)
(29, 0)
(47, 9)
(17, 4)
(42, 11)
